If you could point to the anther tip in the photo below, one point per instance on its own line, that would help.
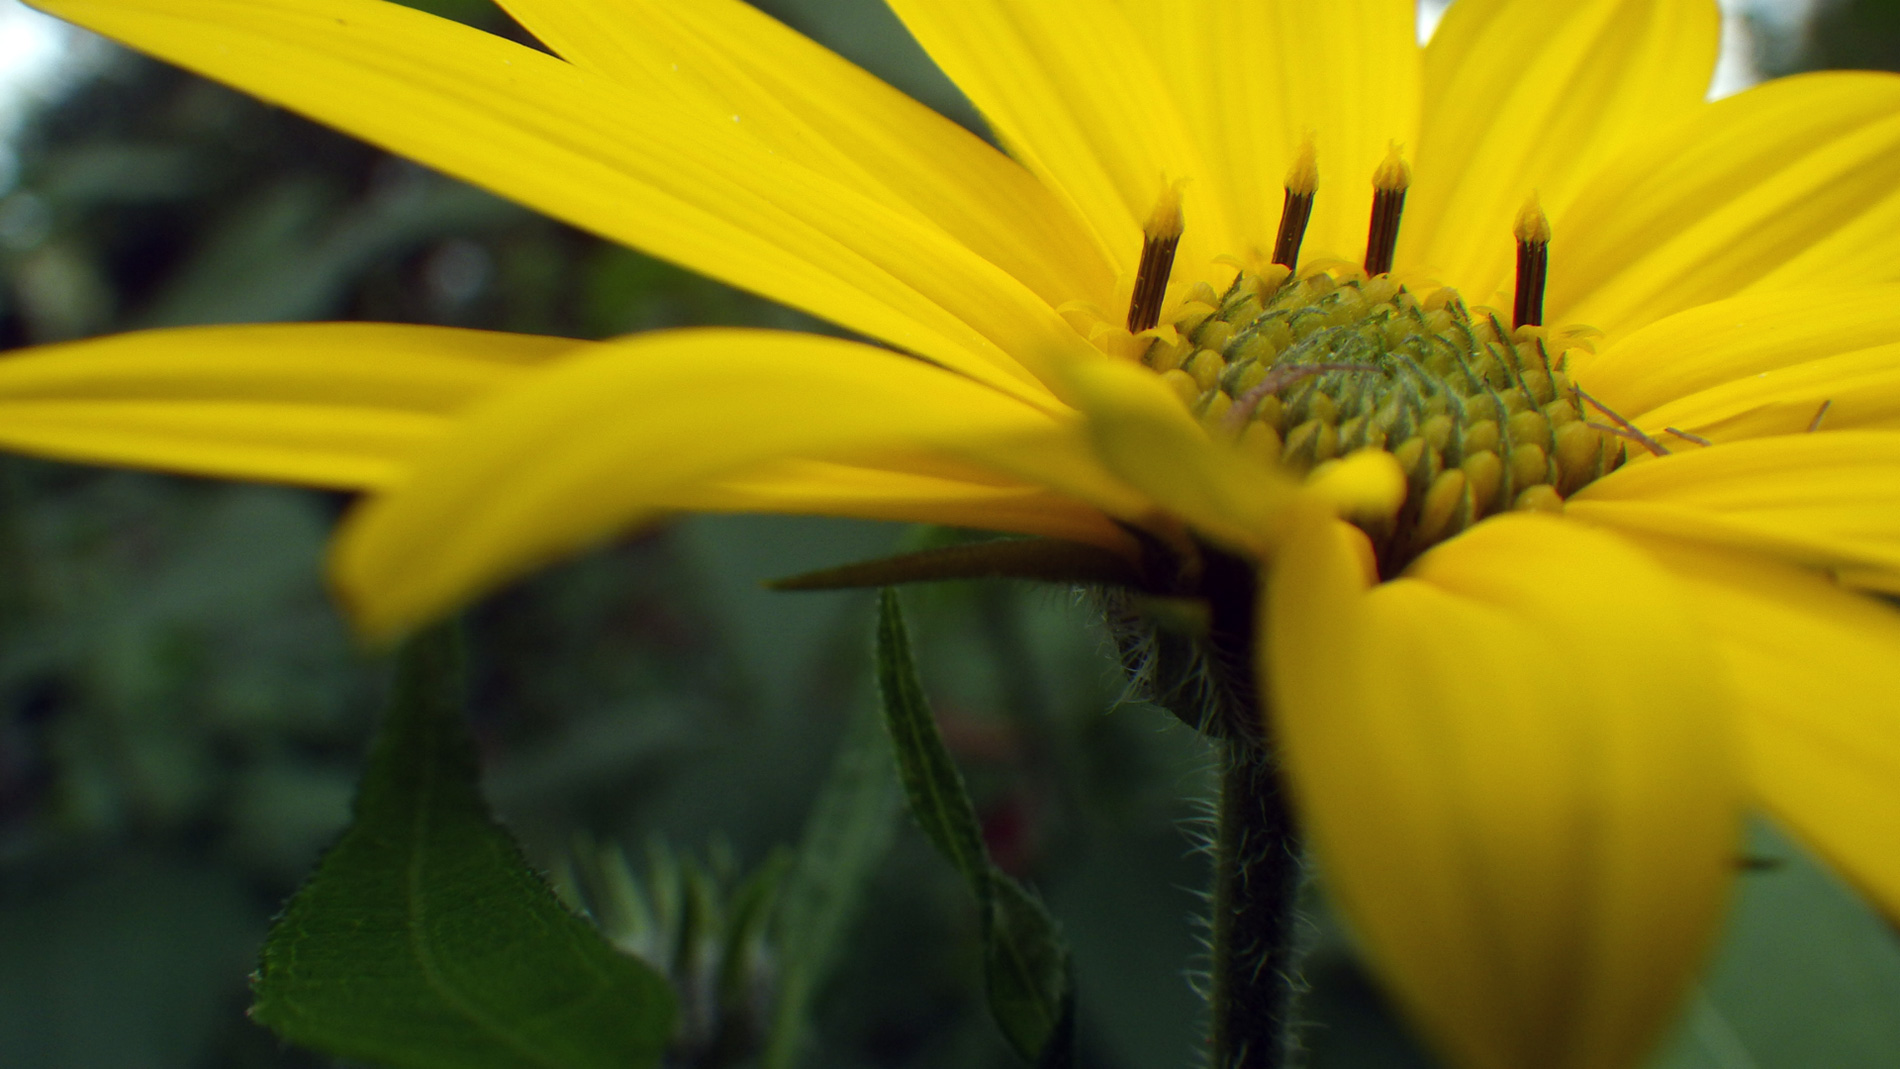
(1302, 178)
(1166, 220)
(1533, 226)
(1394, 174)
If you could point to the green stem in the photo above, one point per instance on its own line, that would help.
(1255, 982)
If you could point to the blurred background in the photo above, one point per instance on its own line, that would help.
(183, 715)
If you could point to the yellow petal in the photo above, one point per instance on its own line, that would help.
(816, 108)
(585, 148)
(329, 404)
(1795, 183)
(1145, 437)
(1851, 391)
(1367, 484)
(1534, 97)
(1813, 670)
(1253, 77)
(1729, 340)
(599, 443)
(1072, 91)
(828, 489)
(1829, 500)
(1516, 772)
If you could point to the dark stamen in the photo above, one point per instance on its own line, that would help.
(1624, 428)
(1302, 182)
(1687, 437)
(1159, 239)
(1389, 184)
(1819, 415)
(1533, 264)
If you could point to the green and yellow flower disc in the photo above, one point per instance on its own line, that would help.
(1480, 418)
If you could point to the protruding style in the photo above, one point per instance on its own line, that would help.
(1533, 264)
(1302, 183)
(1389, 184)
(1160, 237)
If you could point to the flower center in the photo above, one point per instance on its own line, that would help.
(1300, 370)
(1481, 418)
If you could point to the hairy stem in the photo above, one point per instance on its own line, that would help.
(1255, 981)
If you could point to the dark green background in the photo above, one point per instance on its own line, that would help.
(182, 715)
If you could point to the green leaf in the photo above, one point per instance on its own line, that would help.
(846, 837)
(748, 919)
(1808, 974)
(938, 798)
(424, 939)
(1028, 975)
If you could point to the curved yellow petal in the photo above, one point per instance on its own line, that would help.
(345, 405)
(1793, 183)
(587, 149)
(1534, 97)
(1725, 341)
(819, 109)
(1366, 484)
(1142, 433)
(1073, 92)
(1253, 77)
(599, 443)
(1828, 500)
(1852, 391)
(1813, 668)
(876, 493)
(1516, 772)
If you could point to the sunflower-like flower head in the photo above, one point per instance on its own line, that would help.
(1536, 617)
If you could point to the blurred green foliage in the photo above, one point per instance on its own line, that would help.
(183, 716)
(1852, 34)
(424, 940)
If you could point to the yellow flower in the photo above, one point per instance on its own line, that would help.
(1520, 750)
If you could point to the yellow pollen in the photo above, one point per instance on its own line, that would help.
(1160, 237)
(1389, 184)
(1302, 178)
(1394, 174)
(1533, 227)
(1533, 264)
(1296, 211)
(1165, 220)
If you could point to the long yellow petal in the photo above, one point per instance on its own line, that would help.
(1072, 91)
(1533, 97)
(1851, 391)
(1795, 183)
(818, 487)
(1725, 341)
(1253, 77)
(587, 149)
(1516, 771)
(1813, 668)
(1827, 500)
(599, 443)
(344, 405)
(815, 107)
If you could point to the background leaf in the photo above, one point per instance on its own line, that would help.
(425, 940)
(938, 798)
(847, 836)
(1026, 965)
